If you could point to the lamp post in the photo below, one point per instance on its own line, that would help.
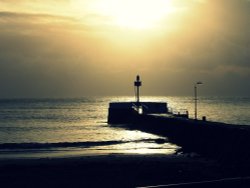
(195, 99)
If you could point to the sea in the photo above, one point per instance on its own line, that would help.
(72, 127)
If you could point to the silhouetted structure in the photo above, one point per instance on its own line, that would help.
(137, 85)
(124, 112)
(220, 140)
(196, 99)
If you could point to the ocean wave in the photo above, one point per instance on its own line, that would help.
(74, 144)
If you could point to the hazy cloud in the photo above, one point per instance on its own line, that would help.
(45, 53)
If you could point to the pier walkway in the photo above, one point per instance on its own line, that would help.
(220, 140)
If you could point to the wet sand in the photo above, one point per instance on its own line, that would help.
(114, 171)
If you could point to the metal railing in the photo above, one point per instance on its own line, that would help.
(178, 112)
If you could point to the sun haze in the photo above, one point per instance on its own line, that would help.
(131, 14)
(70, 48)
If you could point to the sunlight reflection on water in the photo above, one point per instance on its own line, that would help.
(85, 120)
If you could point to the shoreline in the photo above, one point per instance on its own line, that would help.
(80, 152)
(114, 170)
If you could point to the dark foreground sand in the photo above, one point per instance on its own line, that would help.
(115, 171)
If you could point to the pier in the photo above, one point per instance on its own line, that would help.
(213, 139)
(226, 142)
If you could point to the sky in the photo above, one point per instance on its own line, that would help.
(75, 48)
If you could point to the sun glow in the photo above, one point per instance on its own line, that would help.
(133, 14)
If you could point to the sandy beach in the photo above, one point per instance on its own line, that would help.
(114, 171)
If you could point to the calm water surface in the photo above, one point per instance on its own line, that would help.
(65, 127)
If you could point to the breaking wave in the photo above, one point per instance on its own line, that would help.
(74, 144)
